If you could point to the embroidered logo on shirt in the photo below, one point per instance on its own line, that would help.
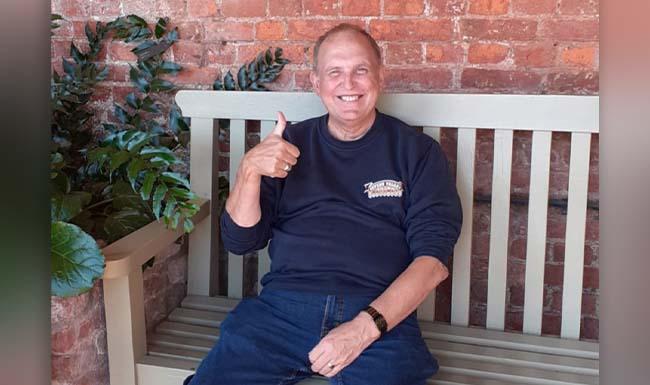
(384, 188)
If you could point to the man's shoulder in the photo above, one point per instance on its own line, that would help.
(298, 130)
(405, 132)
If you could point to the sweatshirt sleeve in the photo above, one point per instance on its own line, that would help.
(434, 215)
(241, 240)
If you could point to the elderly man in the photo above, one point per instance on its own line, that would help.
(361, 214)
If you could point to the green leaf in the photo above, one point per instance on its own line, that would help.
(175, 178)
(161, 27)
(133, 100)
(168, 67)
(242, 78)
(124, 222)
(147, 185)
(76, 54)
(229, 82)
(133, 170)
(65, 206)
(77, 261)
(121, 114)
(188, 225)
(217, 85)
(159, 152)
(174, 220)
(158, 196)
(158, 85)
(118, 159)
(180, 193)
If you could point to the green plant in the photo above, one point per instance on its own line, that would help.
(105, 188)
(252, 76)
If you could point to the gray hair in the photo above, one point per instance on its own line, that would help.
(346, 27)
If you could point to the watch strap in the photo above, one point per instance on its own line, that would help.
(378, 318)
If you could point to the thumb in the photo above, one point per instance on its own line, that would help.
(282, 123)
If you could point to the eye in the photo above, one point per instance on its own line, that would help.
(362, 70)
(333, 73)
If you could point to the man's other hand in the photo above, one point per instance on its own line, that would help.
(343, 344)
(274, 156)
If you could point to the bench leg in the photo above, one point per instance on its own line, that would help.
(125, 326)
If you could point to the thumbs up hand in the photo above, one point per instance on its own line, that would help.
(274, 156)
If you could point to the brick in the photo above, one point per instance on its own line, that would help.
(320, 8)
(533, 7)
(443, 53)
(248, 8)
(403, 53)
(119, 93)
(118, 72)
(219, 53)
(589, 328)
(187, 52)
(487, 79)
(417, 79)
(220, 30)
(517, 295)
(591, 278)
(360, 8)
(534, 55)
(101, 95)
(285, 7)
(489, 7)
(174, 9)
(498, 29)
(590, 305)
(554, 275)
(579, 56)
(411, 29)
(190, 31)
(202, 8)
(570, 30)
(302, 81)
(580, 83)
(269, 30)
(404, 7)
(477, 315)
(196, 76)
(514, 320)
(72, 8)
(310, 30)
(105, 8)
(553, 301)
(487, 53)
(579, 7)
(64, 340)
(447, 7)
(551, 324)
(119, 51)
(140, 8)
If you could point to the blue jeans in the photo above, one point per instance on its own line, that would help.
(266, 340)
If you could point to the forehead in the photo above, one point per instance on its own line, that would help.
(346, 46)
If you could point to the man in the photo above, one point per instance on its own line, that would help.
(362, 215)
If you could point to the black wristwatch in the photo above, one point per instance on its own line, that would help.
(379, 319)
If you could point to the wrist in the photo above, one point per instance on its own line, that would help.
(369, 328)
(247, 172)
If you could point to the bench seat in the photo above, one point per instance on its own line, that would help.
(471, 356)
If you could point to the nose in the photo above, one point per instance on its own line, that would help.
(348, 81)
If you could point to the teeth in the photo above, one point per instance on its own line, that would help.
(349, 98)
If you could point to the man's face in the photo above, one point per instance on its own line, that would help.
(348, 80)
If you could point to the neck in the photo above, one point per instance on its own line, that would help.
(348, 132)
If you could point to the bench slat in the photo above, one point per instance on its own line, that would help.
(427, 309)
(237, 149)
(263, 258)
(575, 235)
(201, 169)
(499, 229)
(536, 237)
(460, 284)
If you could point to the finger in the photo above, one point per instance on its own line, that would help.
(293, 150)
(322, 363)
(281, 125)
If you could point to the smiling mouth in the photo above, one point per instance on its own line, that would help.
(349, 98)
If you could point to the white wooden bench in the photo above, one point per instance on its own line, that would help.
(467, 355)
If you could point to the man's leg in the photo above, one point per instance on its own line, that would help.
(255, 347)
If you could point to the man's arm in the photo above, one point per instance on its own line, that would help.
(346, 342)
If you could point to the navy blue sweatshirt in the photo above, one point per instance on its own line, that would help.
(352, 215)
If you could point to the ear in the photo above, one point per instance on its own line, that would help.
(381, 78)
(315, 82)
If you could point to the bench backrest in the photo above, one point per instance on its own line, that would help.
(541, 114)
